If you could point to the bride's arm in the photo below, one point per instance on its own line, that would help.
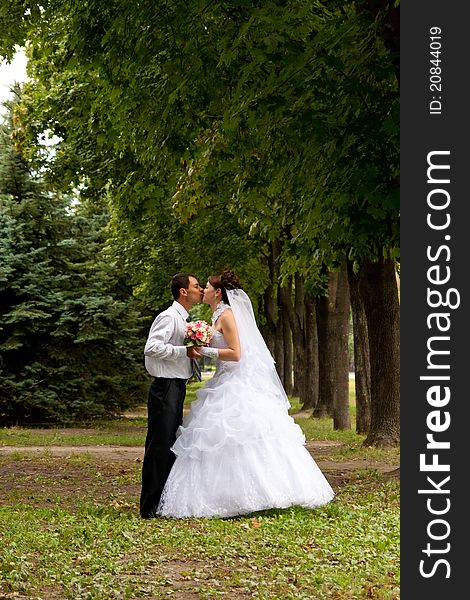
(229, 328)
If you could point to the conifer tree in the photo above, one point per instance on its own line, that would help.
(70, 332)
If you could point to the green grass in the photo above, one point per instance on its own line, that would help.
(71, 530)
(191, 390)
(113, 433)
(102, 550)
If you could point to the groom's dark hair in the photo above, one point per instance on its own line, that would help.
(178, 281)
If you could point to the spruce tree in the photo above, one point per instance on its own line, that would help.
(70, 332)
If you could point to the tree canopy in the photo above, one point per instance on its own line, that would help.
(284, 113)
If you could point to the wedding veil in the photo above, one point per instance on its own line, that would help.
(256, 361)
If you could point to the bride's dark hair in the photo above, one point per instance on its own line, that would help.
(227, 281)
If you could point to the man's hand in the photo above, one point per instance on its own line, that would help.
(192, 352)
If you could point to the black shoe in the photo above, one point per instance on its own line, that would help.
(149, 515)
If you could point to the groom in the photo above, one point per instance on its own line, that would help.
(168, 360)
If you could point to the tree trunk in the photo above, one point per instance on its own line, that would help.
(339, 331)
(297, 320)
(269, 331)
(311, 347)
(333, 334)
(361, 354)
(379, 292)
(302, 323)
(297, 372)
(324, 406)
(269, 314)
(279, 344)
(287, 340)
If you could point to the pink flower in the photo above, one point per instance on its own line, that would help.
(198, 333)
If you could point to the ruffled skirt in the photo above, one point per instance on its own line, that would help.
(239, 452)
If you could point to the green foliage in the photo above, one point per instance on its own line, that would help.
(160, 246)
(283, 115)
(16, 18)
(70, 341)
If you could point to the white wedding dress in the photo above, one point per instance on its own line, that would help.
(239, 450)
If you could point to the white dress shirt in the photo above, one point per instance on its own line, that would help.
(165, 353)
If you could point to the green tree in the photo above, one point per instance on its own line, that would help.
(71, 338)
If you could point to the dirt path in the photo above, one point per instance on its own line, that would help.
(67, 475)
(135, 454)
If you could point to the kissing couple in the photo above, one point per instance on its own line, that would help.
(239, 451)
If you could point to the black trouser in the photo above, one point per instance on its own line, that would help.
(165, 415)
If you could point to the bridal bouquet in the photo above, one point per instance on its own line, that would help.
(198, 333)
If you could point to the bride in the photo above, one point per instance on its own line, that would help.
(240, 451)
